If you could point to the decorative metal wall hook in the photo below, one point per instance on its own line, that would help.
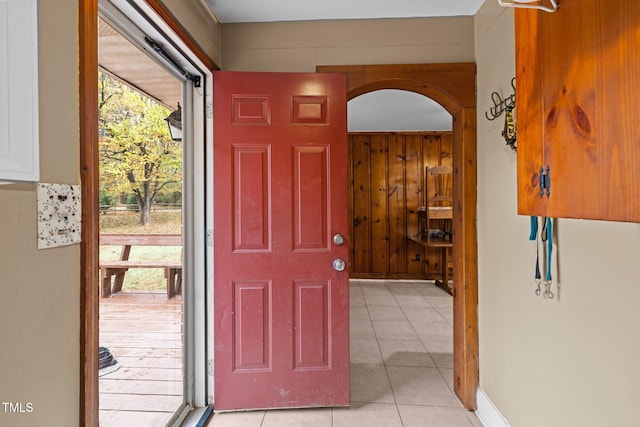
(509, 130)
(500, 105)
(506, 106)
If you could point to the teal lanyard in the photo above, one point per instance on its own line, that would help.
(549, 241)
(546, 235)
(533, 235)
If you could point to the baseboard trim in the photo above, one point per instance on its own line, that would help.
(487, 412)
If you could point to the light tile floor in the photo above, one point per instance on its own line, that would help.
(401, 364)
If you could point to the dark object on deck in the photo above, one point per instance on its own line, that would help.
(107, 362)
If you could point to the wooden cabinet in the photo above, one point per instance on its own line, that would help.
(19, 91)
(578, 112)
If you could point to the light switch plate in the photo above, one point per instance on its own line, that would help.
(59, 215)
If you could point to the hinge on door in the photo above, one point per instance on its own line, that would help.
(545, 181)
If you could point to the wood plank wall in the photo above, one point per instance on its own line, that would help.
(386, 182)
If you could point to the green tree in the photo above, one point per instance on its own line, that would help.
(137, 154)
(106, 201)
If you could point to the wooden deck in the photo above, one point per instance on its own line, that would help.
(144, 332)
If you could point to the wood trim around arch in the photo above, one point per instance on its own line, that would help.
(89, 247)
(453, 87)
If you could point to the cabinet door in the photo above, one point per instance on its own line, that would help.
(578, 110)
(18, 91)
(528, 113)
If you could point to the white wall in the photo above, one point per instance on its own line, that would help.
(570, 361)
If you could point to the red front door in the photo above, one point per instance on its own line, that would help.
(280, 193)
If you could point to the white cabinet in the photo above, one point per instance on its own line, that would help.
(19, 90)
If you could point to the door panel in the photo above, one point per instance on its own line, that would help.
(310, 192)
(281, 310)
(311, 308)
(252, 328)
(252, 198)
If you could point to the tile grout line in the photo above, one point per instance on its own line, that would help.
(333, 410)
(384, 362)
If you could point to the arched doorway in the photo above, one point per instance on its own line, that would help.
(453, 87)
(392, 136)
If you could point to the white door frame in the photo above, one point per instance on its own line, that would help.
(137, 19)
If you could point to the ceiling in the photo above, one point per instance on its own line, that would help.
(119, 58)
(235, 11)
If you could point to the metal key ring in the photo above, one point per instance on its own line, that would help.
(547, 291)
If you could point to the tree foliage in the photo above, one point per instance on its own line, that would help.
(137, 154)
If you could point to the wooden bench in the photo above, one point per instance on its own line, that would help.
(118, 268)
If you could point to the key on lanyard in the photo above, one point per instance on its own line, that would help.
(546, 235)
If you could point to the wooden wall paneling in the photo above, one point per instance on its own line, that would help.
(361, 207)
(350, 193)
(387, 186)
(446, 149)
(446, 159)
(397, 204)
(379, 205)
(414, 198)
